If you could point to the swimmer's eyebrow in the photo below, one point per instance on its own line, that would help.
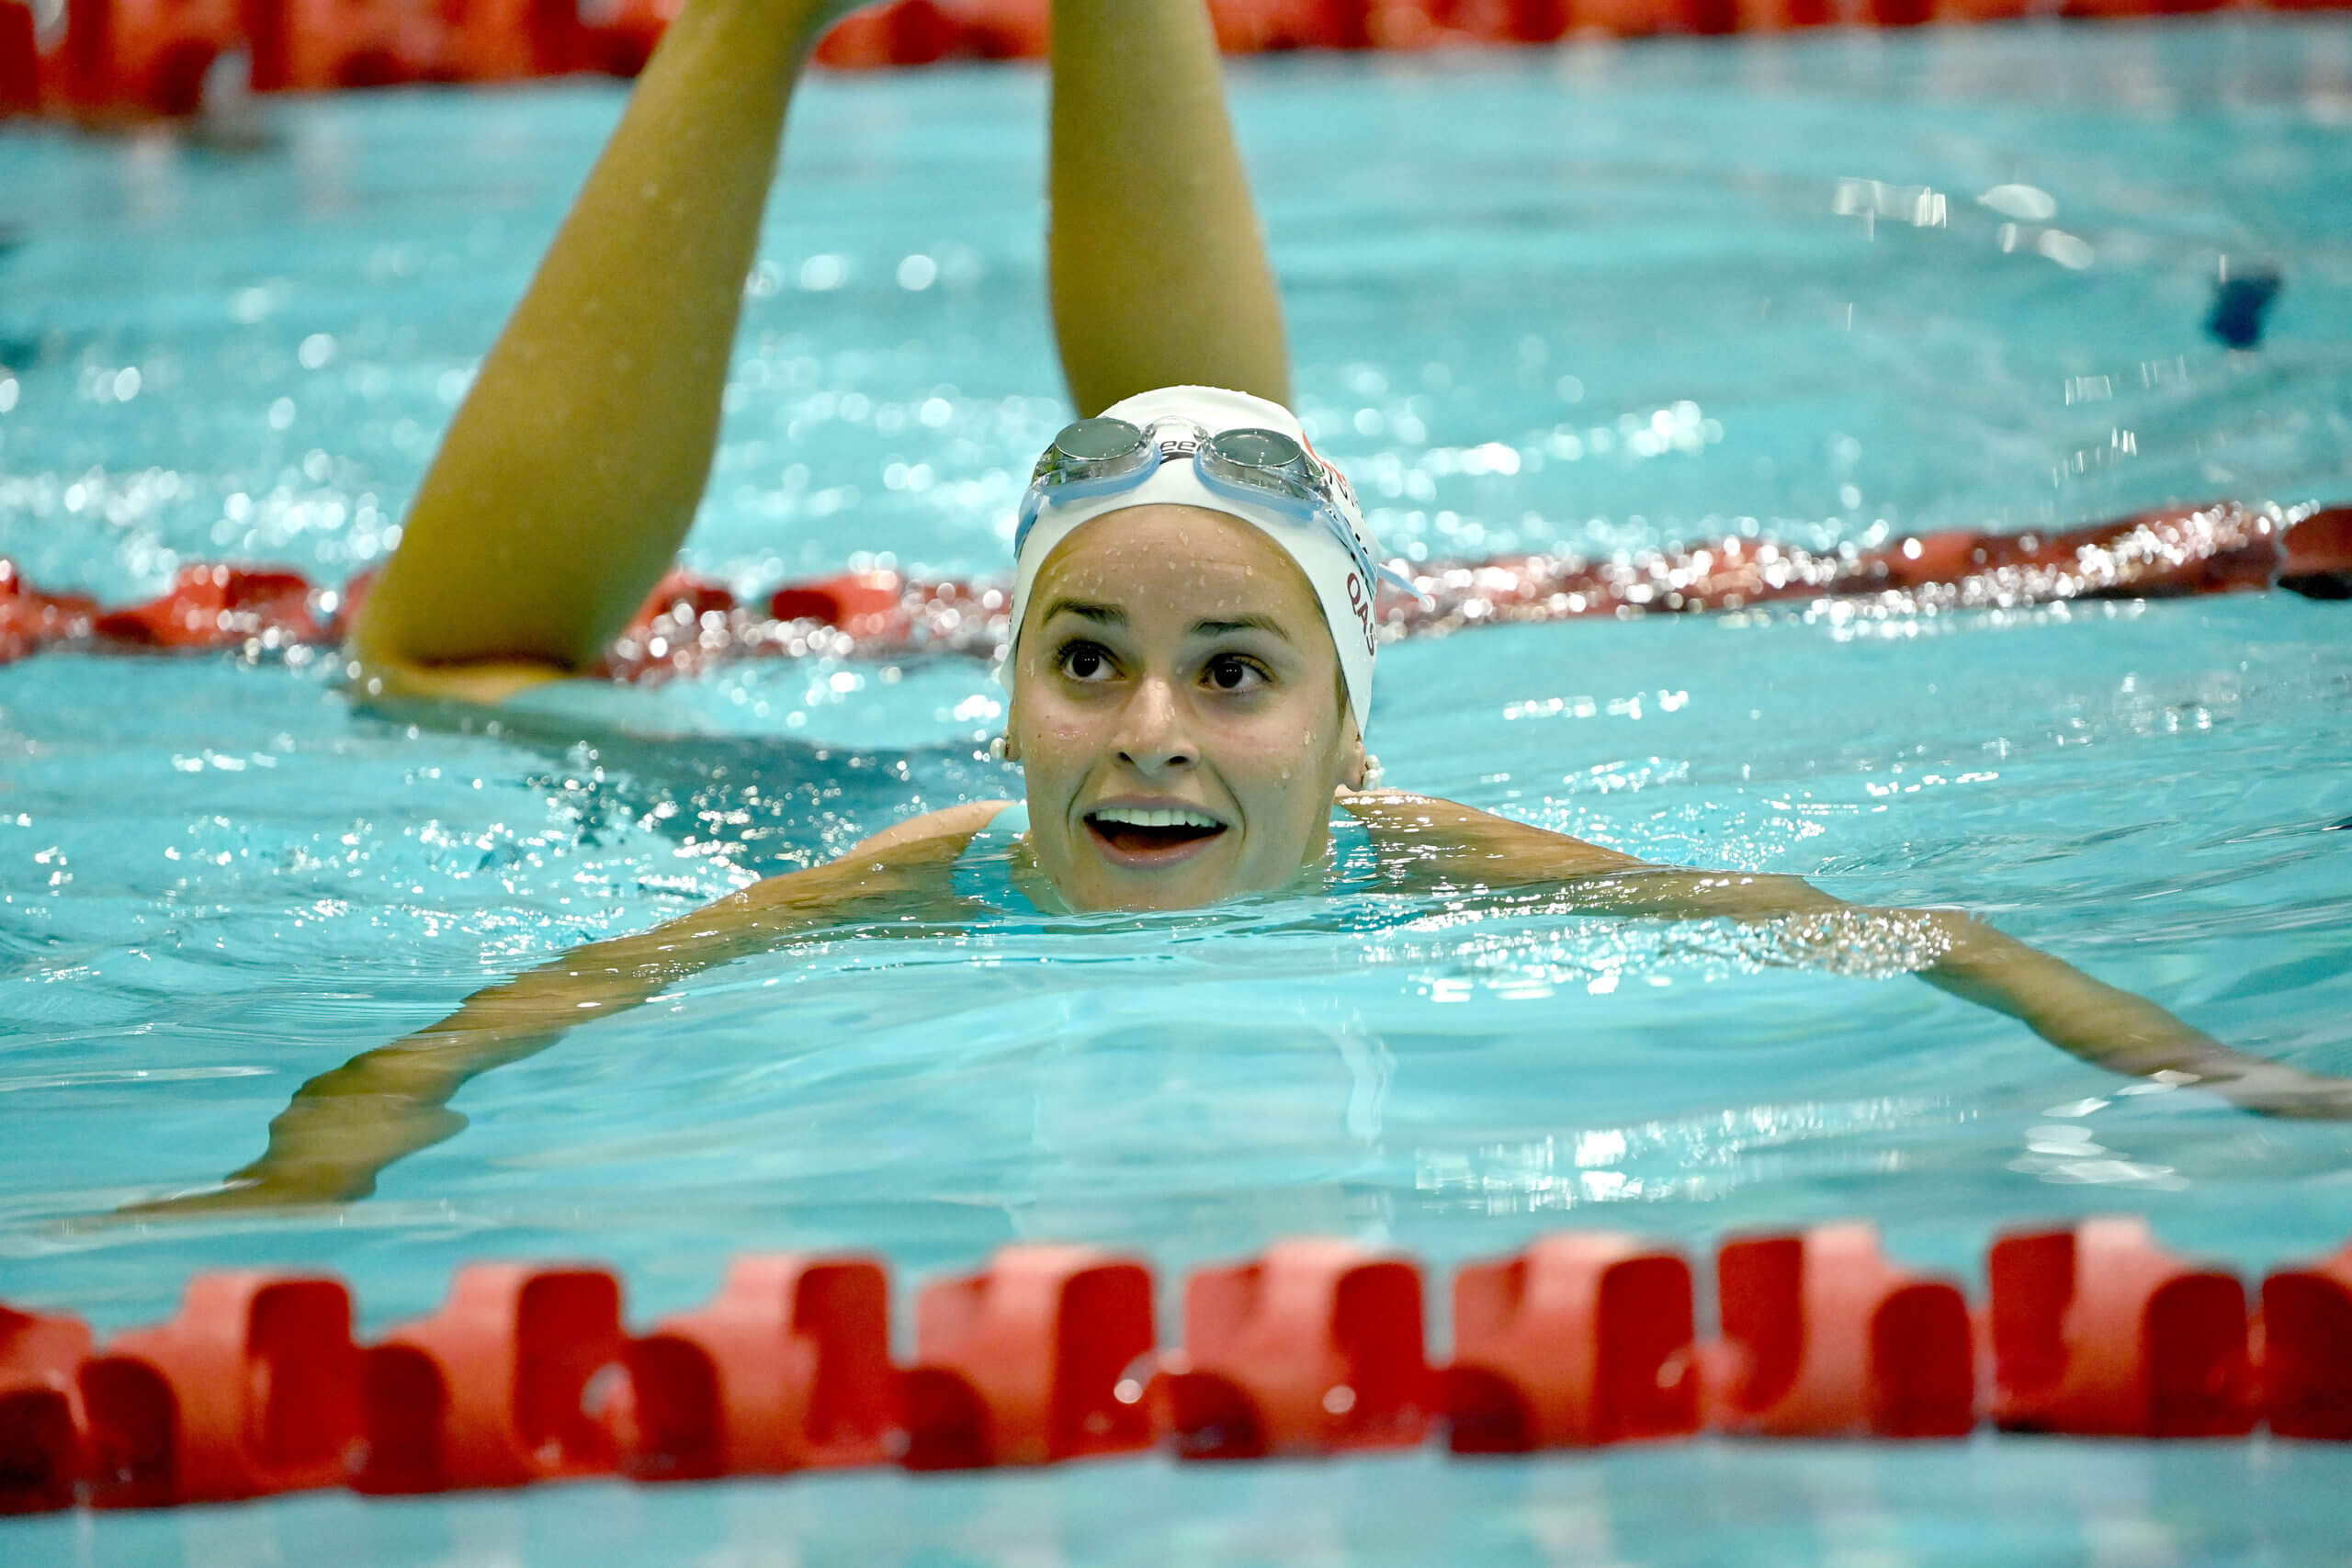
(1101, 614)
(1112, 615)
(1240, 624)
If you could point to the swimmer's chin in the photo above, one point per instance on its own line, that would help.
(1140, 896)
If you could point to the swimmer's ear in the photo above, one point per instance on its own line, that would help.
(1362, 770)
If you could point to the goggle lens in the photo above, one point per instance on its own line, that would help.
(1098, 440)
(1102, 452)
(1256, 448)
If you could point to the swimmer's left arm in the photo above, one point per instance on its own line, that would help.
(2086, 1018)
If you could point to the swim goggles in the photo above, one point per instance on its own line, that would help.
(1103, 455)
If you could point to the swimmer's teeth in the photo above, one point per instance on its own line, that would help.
(1137, 816)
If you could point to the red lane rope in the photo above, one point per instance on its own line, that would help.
(129, 60)
(690, 623)
(528, 1371)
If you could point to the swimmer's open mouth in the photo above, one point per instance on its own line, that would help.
(1148, 834)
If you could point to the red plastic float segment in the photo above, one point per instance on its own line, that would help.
(1580, 1340)
(620, 44)
(19, 60)
(2109, 8)
(681, 596)
(863, 603)
(31, 619)
(1640, 18)
(1312, 24)
(253, 1389)
(1002, 29)
(146, 54)
(40, 1409)
(905, 33)
(1967, 11)
(317, 45)
(1031, 1361)
(503, 41)
(789, 1368)
(1823, 1336)
(2307, 1350)
(519, 1377)
(2315, 554)
(1314, 1347)
(1256, 27)
(1784, 16)
(220, 606)
(2098, 1331)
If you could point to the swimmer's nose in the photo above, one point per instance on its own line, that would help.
(1152, 737)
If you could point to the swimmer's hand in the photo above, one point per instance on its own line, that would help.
(243, 1190)
(326, 1147)
(2118, 1029)
(2257, 1084)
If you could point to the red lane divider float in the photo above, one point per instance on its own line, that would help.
(254, 1389)
(528, 1373)
(1823, 1337)
(789, 1368)
(144, 56)
(689, 624)
(150, 58)
(1581, 1339)
(2306, 1351)
(20, 69)
(42, 1421)
(1314, 1347)
(1027, 1362)
(2099, 1332)
(516, 1378)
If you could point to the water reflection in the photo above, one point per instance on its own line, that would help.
(2063, 1505)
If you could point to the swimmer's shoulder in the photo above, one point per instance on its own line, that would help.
(950, 829)
(911, 863)
(1463, 839)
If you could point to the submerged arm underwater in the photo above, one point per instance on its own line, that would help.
(344, 1126)
(2103, 1025)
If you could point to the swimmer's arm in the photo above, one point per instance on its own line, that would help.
(1158, 272)
(2102, 1024)
(344, 1126)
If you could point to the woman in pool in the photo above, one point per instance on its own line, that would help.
(1192, 648)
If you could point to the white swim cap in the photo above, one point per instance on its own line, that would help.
(1343, 576)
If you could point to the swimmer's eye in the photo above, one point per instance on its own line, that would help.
(1232, 672)
(1082, 660)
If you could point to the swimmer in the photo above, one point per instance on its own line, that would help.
(1193, 645)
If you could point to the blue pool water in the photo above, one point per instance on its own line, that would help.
(1829, 288)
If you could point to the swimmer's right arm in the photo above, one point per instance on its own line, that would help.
(344, 1126)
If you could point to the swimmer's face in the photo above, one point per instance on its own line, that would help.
(1177, 708)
